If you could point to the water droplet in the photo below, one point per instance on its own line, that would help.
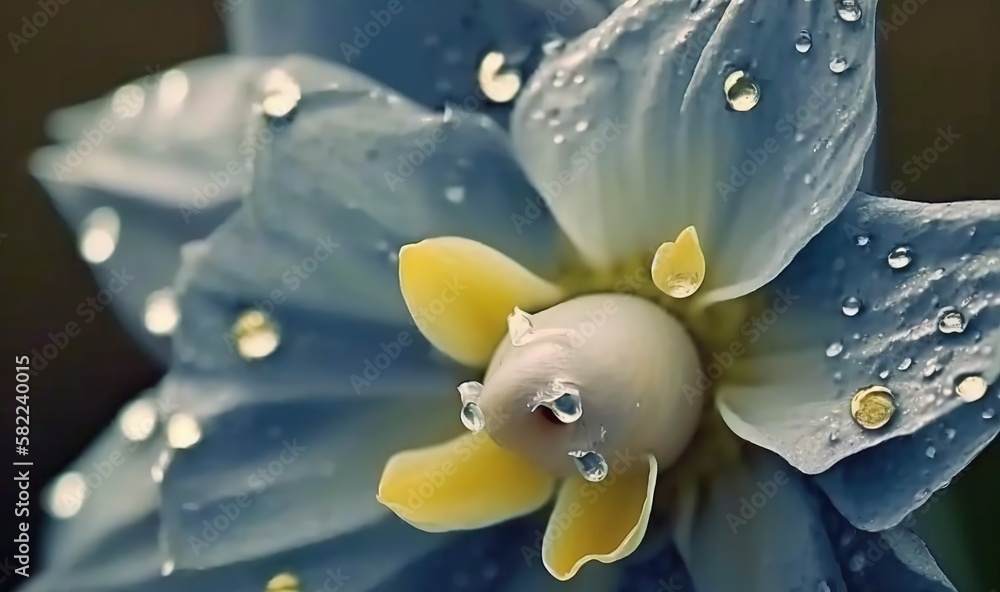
(499, 82)
(183, 431)
(971, 388)
(568, 407)
(161, 315)
(905, 364)
(455, 194)
(128, 101)
(472, 417)
(519, 327)
(579, 79)
(138, 420)
(950, 433)
(581, 126)
(838, 64)
(99, 235)
(742, 93)
(834, 349)
(862, 240)
(804, 41)
(167, 568)
(989, 413)
(883, 374)
(257, 336)
(67, 494)
(281, 93)
(951, 320)
(849, 10)
(930, 452)
(283, 582)
(872, 407)
(553, 45)
(900, 257)
(808, 179)
(591, 465)
(160, 465)
(851, 306)
(470, 391)
(559, 138)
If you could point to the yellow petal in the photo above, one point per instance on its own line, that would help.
(602, 521)
(679, 266)
(469, 482)
(460, 292)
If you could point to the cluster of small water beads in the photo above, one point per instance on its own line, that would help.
(560, 398)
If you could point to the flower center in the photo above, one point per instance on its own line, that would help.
(593, 380)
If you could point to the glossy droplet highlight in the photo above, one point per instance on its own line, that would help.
(950, 320)
(500, 84)
(838, 64)
(283, 582)
(803, 42)
(455, 194)
(256, 335)
(930, 452)
(67, 494)
(99, 235)
(905, 364)
(281, 93)
(971, 388)
(851, 306)
(834, 349)
(472, 415)
(183, 431)
(849, 10)
(161, 314)
(562, 399)
(989, 413)
(872, 407)
(900, 257)
(591, 465)
(138, 420)
(862, 240)
(742, 93)
(167, 568)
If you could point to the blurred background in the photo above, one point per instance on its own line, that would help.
(939, 66)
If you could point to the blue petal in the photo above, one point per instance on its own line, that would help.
(630, 136)
(894, 559)
(811, 357)
(428, 51)
(757, 527)
(352, 380)
(160, 153)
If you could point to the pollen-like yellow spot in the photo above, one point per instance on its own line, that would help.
(679, 266)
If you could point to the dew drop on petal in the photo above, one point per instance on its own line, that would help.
(99, 235)
(851, 306)
(591, 465)
(553, 45)
(971, 388)
(183, 431)
(281, 93)
(472, 417)
(470, 391)
(950, 433)
(138, 420)
(160, 465)
(581, 126)
(905, 364)
(257, 336)
(872, 407)
(67, 494)
(568, 408)
(883, 374)
(951, 320)
(900, 257)
(930, 452)
(742, 93)
(838, 64)
(862, 240)
(834, 349)
(283, 582)
(849, 10)
(167, 568)
(804, 41)
(455, 194)
(161, 315)
(989, 413)
(559, 138)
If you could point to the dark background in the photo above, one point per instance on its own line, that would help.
(940, 68)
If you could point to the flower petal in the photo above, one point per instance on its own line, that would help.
(812, 349)
(158, 161)
(603, 521)
(630, 137)
(443, 42)
(758, 527)
(464, 484)
(459, 292)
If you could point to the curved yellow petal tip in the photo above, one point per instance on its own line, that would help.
(460, 291)
(466, 483)
(602, 521)
(679, 266)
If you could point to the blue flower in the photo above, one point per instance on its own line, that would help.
(717, 347)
